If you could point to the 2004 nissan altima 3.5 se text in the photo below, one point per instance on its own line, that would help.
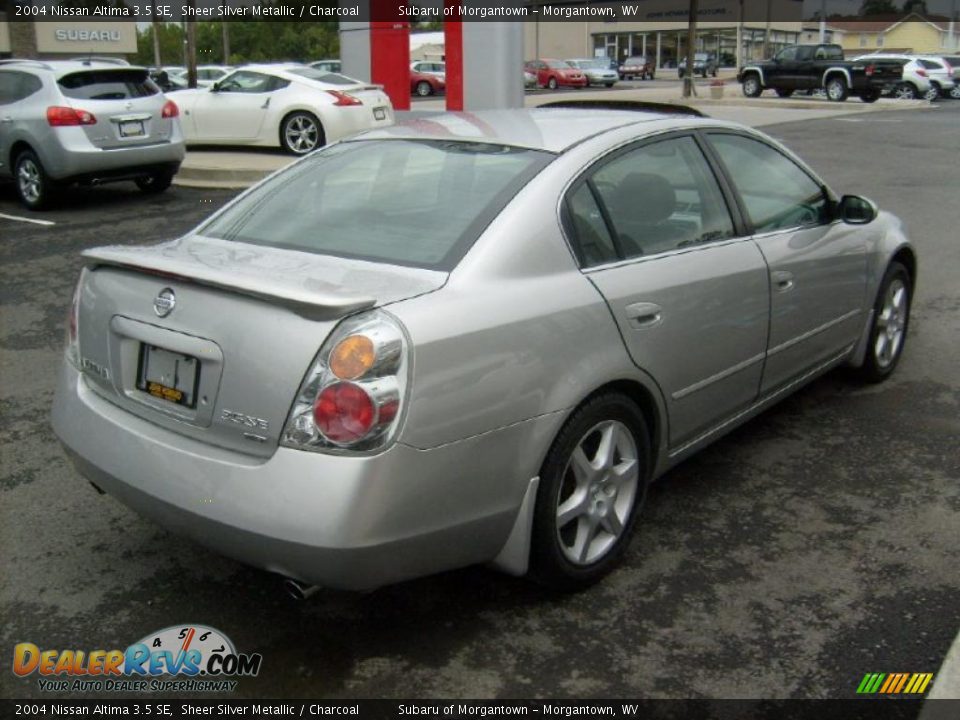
(470, 339)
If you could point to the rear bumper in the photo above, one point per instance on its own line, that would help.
(342, 522)
(71, 156)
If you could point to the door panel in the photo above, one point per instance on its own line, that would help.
(818, 281)
(697, 322)
(237, 110)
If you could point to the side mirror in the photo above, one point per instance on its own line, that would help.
(856, 210)
(215, 87)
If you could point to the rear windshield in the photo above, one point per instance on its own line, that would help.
(120, 84)
(331, 78)
(402, 202)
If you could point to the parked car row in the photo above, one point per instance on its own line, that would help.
(97, 121)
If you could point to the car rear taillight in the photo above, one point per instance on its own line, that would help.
(870, 70)
(921, 72)
(352, 395)
(73, 324)
(948, 67)
(59, 116)
(343, 99)
(170, 110)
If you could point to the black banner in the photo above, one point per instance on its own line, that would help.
(859, 709)
(596, 11)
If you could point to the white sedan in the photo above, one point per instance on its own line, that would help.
(292, 106)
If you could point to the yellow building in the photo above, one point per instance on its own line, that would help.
(913, 34)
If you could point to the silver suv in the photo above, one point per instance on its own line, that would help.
(88, 122)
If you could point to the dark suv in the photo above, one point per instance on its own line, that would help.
(703, 65)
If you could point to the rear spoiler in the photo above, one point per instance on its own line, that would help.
(312, 303)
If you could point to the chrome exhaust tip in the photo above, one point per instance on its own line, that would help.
(298, 590)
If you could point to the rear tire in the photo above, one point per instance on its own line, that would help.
(36, 189)
(837, 89)
(955, 91)
(301, 133)
(423, 89)
(905, 91)
(933, 93)
(891, 317)
(751, 86)
(154, 184)
(592, 484)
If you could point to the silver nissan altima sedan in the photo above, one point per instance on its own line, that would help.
(472, 338)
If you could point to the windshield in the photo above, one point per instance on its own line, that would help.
(589, 64)
(558, 64)
(404, 202)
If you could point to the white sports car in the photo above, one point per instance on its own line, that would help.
(294, 106)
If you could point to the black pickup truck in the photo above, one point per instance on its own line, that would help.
(811, 67)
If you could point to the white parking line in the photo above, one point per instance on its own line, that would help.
(27, 220)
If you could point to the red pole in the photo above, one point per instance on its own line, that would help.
(453, 56)
(390, 52)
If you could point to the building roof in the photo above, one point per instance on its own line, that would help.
(885, 23)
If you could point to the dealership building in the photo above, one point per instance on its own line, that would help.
(69, 39)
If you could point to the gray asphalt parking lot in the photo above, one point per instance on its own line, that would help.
(814, 544)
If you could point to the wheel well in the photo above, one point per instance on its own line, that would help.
(644, 400)
(18, 147)
(905, 257)
(832, 74)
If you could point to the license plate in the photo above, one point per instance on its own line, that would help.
(380, 113)
(168, 376)
(133, 128)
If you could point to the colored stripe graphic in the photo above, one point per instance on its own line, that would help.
(894, 683)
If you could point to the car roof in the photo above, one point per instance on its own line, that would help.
(551, 129)
(64, 67)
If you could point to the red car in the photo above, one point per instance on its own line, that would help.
(423, 84)
(556, 73)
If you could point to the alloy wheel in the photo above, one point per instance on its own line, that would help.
(597, 493)
(301, 134)
(891, 323)
(905, 92)
(29, 180)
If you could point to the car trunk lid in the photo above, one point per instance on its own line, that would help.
(211, 338)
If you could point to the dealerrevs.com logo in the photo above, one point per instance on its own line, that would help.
(202, 656)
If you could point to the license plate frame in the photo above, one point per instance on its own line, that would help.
(379, 113)
(168, 376)
(131, 128)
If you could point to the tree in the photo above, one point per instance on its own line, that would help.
(915, 6)
(879, 7)
(170, 38)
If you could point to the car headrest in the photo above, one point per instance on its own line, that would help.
(644, 198)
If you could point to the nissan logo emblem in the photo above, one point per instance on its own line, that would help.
(164, 303)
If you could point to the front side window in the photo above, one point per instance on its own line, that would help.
(404, 202)
(776, 192)
(659, 197)
(244, 81)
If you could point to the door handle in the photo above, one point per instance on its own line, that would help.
(266, 104)
(644, 315)
(782, 280)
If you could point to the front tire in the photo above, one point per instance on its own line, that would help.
(301, 133)
(751, 86)
(35, 188)
(955, 92)
(592, 484)
(552, 83)
(423, 89)
(837, 89)
(891, 317)
(933, 93)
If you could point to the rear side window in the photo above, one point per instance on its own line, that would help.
(403, 202)
(16, 86)
(120, 84)
(931, 65)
